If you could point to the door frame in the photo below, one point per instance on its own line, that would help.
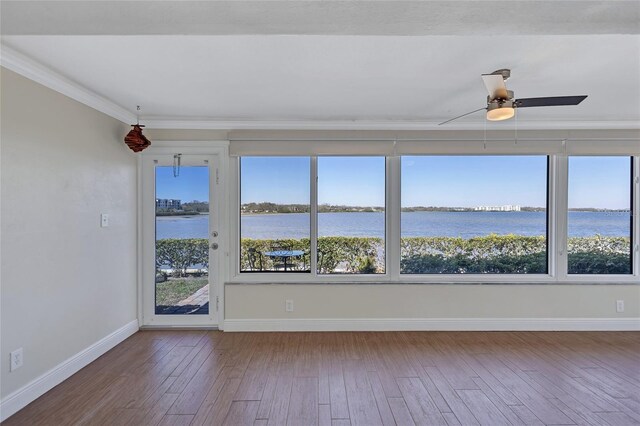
(217, 153)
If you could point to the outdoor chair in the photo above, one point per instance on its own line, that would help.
(299, 263)
(255, 259)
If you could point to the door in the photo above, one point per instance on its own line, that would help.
(180, 224)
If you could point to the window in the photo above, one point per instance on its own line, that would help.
(351, 215)
(275, 214)
(511, 215)
(474, 215)
(599, 215)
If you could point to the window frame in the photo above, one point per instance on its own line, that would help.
(557, 199)
(314, 210)
(634, 225)
(547, 220)
(312, 197)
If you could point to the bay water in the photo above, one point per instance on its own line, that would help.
(413, 224)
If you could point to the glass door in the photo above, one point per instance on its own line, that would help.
(180, 224)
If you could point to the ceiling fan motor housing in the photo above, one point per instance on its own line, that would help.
(509, 97)
(500, 103)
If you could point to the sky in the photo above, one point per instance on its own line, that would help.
(442, 181)
(191, 184)
(469, 181)
(600, 182)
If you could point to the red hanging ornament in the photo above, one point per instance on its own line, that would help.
(136, 140)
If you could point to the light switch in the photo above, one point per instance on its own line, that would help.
(104, 220)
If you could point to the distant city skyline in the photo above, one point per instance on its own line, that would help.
(427, 181)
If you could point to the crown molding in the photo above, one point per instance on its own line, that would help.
(186, 123)
(36, 71)
(33, 70)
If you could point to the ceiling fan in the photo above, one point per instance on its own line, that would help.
(500, 102)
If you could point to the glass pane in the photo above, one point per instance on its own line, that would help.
(599, 216)
(274, 214)
(351, 210)
(474, 215)
(182, 241)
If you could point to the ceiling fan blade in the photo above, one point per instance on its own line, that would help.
(550, 101)
(495, 85)
(460, 116)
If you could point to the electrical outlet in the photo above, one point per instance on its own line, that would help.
(619, 306)
(104, 220)
(288, 305)
(16, 359)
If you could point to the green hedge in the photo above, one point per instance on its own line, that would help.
(599, 255)
(492, 254)
(511, 254)
(181, 253)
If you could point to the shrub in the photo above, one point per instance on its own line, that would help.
(350, 252)
(535, 263)
(595, 262)
(367, 265)
(599, 255)
(511, 254)
(179, 254)
(492, 254)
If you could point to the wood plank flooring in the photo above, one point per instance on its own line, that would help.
(399, 378)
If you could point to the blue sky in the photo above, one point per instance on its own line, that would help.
(280, 180)
(601, 182)
(452, 181)
(469, 181)
(351, 181)
(191, 184)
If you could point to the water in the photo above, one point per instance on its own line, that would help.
(447, 224)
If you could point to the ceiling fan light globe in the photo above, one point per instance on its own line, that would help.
(499, 114)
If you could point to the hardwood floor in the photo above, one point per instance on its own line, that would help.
(403, 378)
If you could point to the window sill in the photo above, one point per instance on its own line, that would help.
(632, 281)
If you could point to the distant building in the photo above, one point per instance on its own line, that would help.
(505, 208)
(166, 204)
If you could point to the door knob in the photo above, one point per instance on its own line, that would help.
(214, 246)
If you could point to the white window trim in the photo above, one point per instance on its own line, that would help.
(557, 226)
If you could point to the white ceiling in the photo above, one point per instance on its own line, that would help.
(350, 78)
(319, 17)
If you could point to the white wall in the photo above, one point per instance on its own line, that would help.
(352, 301)
(66, 283)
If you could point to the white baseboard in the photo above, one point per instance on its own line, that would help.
(435, 324)
(30, 392)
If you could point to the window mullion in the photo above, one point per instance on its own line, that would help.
(313, 220)
(558, 233)
(552, 237)
(393, 212)
(635, 249)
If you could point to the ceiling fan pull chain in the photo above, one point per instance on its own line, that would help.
(484, 140)
(176, 165)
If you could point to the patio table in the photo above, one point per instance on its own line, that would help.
(284, 255)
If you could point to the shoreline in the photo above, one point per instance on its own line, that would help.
(192, 215)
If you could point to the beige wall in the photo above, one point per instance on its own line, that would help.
(66, 282)
(267, 301)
